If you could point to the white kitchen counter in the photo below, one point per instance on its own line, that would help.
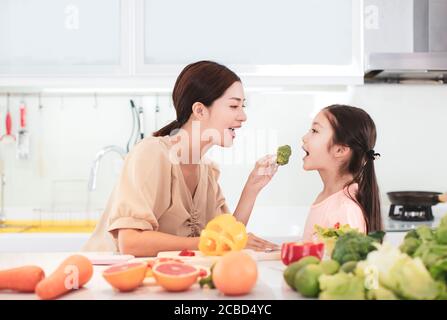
(270, 285)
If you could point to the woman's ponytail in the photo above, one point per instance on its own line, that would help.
(166, 130)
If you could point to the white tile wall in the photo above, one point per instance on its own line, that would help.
(68, 131)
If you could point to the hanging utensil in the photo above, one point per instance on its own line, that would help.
(8, 137)
(141, 123)
(23, 135)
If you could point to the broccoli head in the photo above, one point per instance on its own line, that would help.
(410, 245)
(353, 246)
(283, 155)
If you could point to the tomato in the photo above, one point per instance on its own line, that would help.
(203, 273)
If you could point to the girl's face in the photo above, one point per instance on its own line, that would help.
(225, 116)
(317, 145)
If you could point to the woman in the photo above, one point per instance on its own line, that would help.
(168, 191)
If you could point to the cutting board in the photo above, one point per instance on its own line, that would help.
(105, 259)
(201, 259)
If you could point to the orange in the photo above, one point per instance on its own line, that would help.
(174, 276)
(235, 273)
(126, 277)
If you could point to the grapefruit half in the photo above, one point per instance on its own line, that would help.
(126, 277)
(174, 276)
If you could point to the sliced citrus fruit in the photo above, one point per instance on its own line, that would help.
(174, 276)
(126, 277)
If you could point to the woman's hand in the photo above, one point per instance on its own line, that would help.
(263, 172)
(259, 244)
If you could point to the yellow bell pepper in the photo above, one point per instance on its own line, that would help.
(221, 235)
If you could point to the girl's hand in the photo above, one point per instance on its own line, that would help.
(263, 172)
(259, 244)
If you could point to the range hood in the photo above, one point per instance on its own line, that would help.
(425, 59)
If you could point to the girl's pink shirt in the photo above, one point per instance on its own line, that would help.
(336, 208)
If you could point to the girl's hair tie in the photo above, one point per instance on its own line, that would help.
(372, 155)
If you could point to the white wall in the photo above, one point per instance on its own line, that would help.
(411, 123)
(67, 132)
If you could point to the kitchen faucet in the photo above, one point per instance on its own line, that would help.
(95, 166)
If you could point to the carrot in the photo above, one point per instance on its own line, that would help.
(72, 274)
(21, 279)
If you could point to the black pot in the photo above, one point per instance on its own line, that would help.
(414, 205)
(416, 198)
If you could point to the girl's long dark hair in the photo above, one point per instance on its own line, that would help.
(202, 81)
(353, 127)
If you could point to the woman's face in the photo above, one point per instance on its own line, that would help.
(316, 144)
(226, 115)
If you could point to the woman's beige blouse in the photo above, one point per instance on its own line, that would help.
(151, 194)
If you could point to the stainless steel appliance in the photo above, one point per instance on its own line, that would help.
(405, 41)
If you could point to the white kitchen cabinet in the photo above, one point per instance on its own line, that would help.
(256, 37)
(55, 37)
(147, 42)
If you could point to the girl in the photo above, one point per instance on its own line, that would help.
(167, 191)
(340, 145)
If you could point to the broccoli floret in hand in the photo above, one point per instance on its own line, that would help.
(283, 155)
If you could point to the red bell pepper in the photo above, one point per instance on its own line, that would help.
(187, 253)
(294, 251)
